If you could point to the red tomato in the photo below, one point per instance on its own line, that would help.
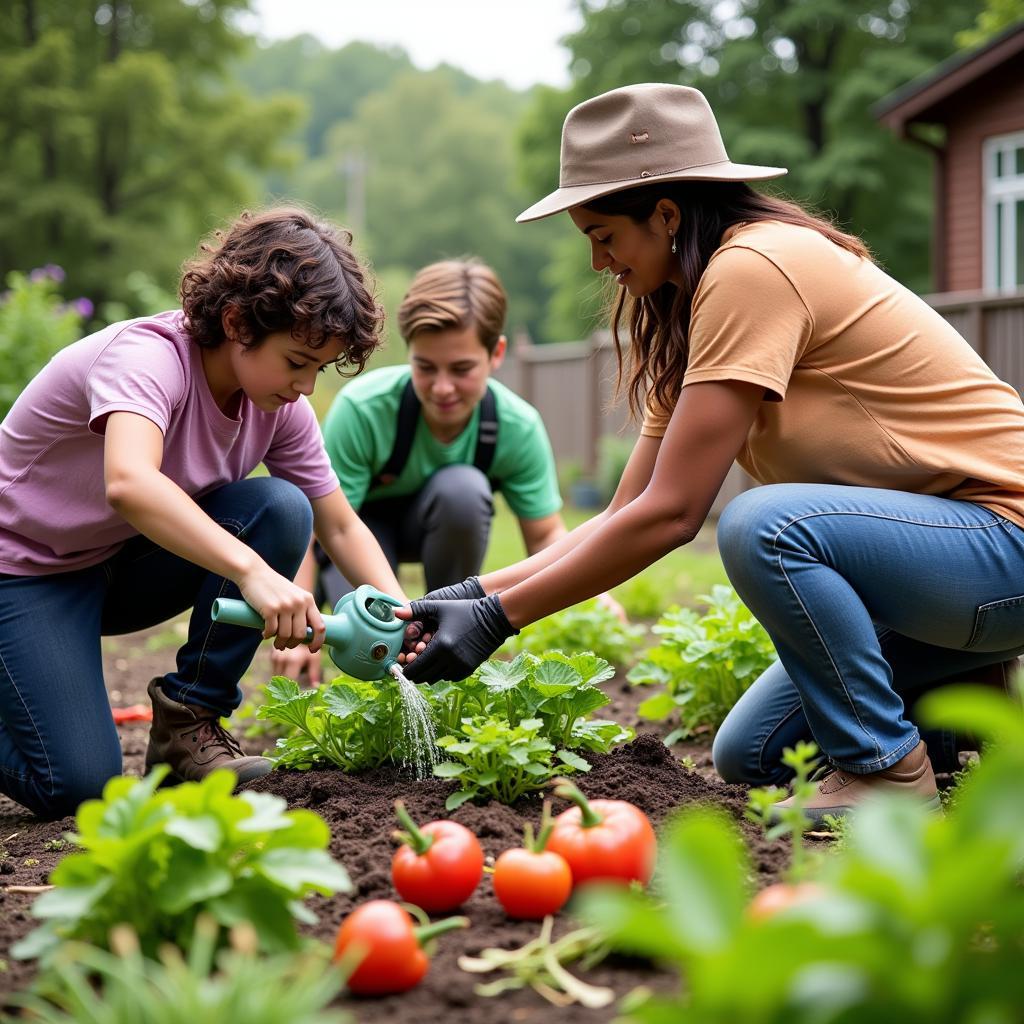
(438, 866)
(610, 840)
(781, 896)
(532, 885)
(392, 959)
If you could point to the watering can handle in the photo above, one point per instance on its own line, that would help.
(238, 613)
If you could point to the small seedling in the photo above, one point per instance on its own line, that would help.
(30, 862)
(55, 845)
(790, 821)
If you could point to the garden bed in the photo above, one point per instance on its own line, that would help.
(359, 812)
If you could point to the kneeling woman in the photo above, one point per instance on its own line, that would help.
(885, 553)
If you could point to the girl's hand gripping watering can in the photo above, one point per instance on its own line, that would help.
(363, 636)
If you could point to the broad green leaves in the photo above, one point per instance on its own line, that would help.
(351, 723)
(528, 717)
(916, 918)
(156, 859)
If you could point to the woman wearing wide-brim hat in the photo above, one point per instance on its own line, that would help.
(885, 553)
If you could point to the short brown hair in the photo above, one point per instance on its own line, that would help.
(455, 294)
(283, 270)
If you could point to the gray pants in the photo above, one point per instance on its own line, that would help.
(445, 525)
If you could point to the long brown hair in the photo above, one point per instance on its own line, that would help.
(659, 323)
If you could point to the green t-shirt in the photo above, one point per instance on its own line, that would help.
(360, 428)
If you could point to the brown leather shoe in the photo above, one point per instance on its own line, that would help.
(840, 791)
(192, 741)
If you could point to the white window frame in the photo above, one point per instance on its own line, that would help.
(1006, 190)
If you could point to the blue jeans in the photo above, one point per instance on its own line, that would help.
(872, 598)
(58, 742)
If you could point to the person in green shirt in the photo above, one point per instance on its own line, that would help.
(421, 448)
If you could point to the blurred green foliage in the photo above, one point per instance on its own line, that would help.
(34, 324)
(918, 919)
(125, 136)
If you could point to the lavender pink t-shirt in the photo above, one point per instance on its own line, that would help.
(54, 515)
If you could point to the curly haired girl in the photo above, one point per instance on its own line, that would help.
(126, 498)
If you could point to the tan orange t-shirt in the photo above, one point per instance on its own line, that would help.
(865, 383)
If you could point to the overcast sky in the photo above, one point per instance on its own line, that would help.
(515, 40)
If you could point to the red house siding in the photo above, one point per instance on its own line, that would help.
(993, 105)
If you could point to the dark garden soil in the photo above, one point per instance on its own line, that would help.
(359, 811)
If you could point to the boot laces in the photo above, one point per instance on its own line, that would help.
(208, 732)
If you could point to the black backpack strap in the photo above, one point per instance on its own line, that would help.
(408, 415)
(487, 437)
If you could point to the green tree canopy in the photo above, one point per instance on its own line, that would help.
(124, 139)
(791, 84)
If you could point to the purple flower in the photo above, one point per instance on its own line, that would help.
(51, 272)
(83, 307)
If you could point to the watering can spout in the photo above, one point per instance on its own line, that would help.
(363, 638)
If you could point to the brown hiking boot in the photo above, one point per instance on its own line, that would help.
(840, 791)
(192, 741)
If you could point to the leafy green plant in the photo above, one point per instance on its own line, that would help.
(704, 663)
(645, 596)
(918, 918)
(559, 689)
(34, 325)
(584, 627)
(493, 758)
(511, 722)
(351, 723)
(155, 859)
(92, 986)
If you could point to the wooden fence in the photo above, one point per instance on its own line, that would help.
(572, 383)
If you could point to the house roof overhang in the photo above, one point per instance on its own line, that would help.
(919, 98)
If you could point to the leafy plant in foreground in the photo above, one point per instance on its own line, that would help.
(351, 723)
(919, 918)
(585, 627)
(155, 859)
(86, 984)
(704, 663)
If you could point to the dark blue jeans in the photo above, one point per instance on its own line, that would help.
(445, 525)
(58, 742)
(872, 598)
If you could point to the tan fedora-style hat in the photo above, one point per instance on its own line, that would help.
(639, 135)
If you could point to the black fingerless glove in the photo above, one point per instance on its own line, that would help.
(467, 634)
(468, 590)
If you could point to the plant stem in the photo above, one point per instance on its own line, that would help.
(412, 835)
(568, 791)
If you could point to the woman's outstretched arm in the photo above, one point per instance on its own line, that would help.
(707, 430)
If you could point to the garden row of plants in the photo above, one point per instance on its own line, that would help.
(184, 901)
(195, 892)
(514, 724)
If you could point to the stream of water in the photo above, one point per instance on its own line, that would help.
(420, 750)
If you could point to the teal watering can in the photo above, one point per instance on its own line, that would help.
(363, 636)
